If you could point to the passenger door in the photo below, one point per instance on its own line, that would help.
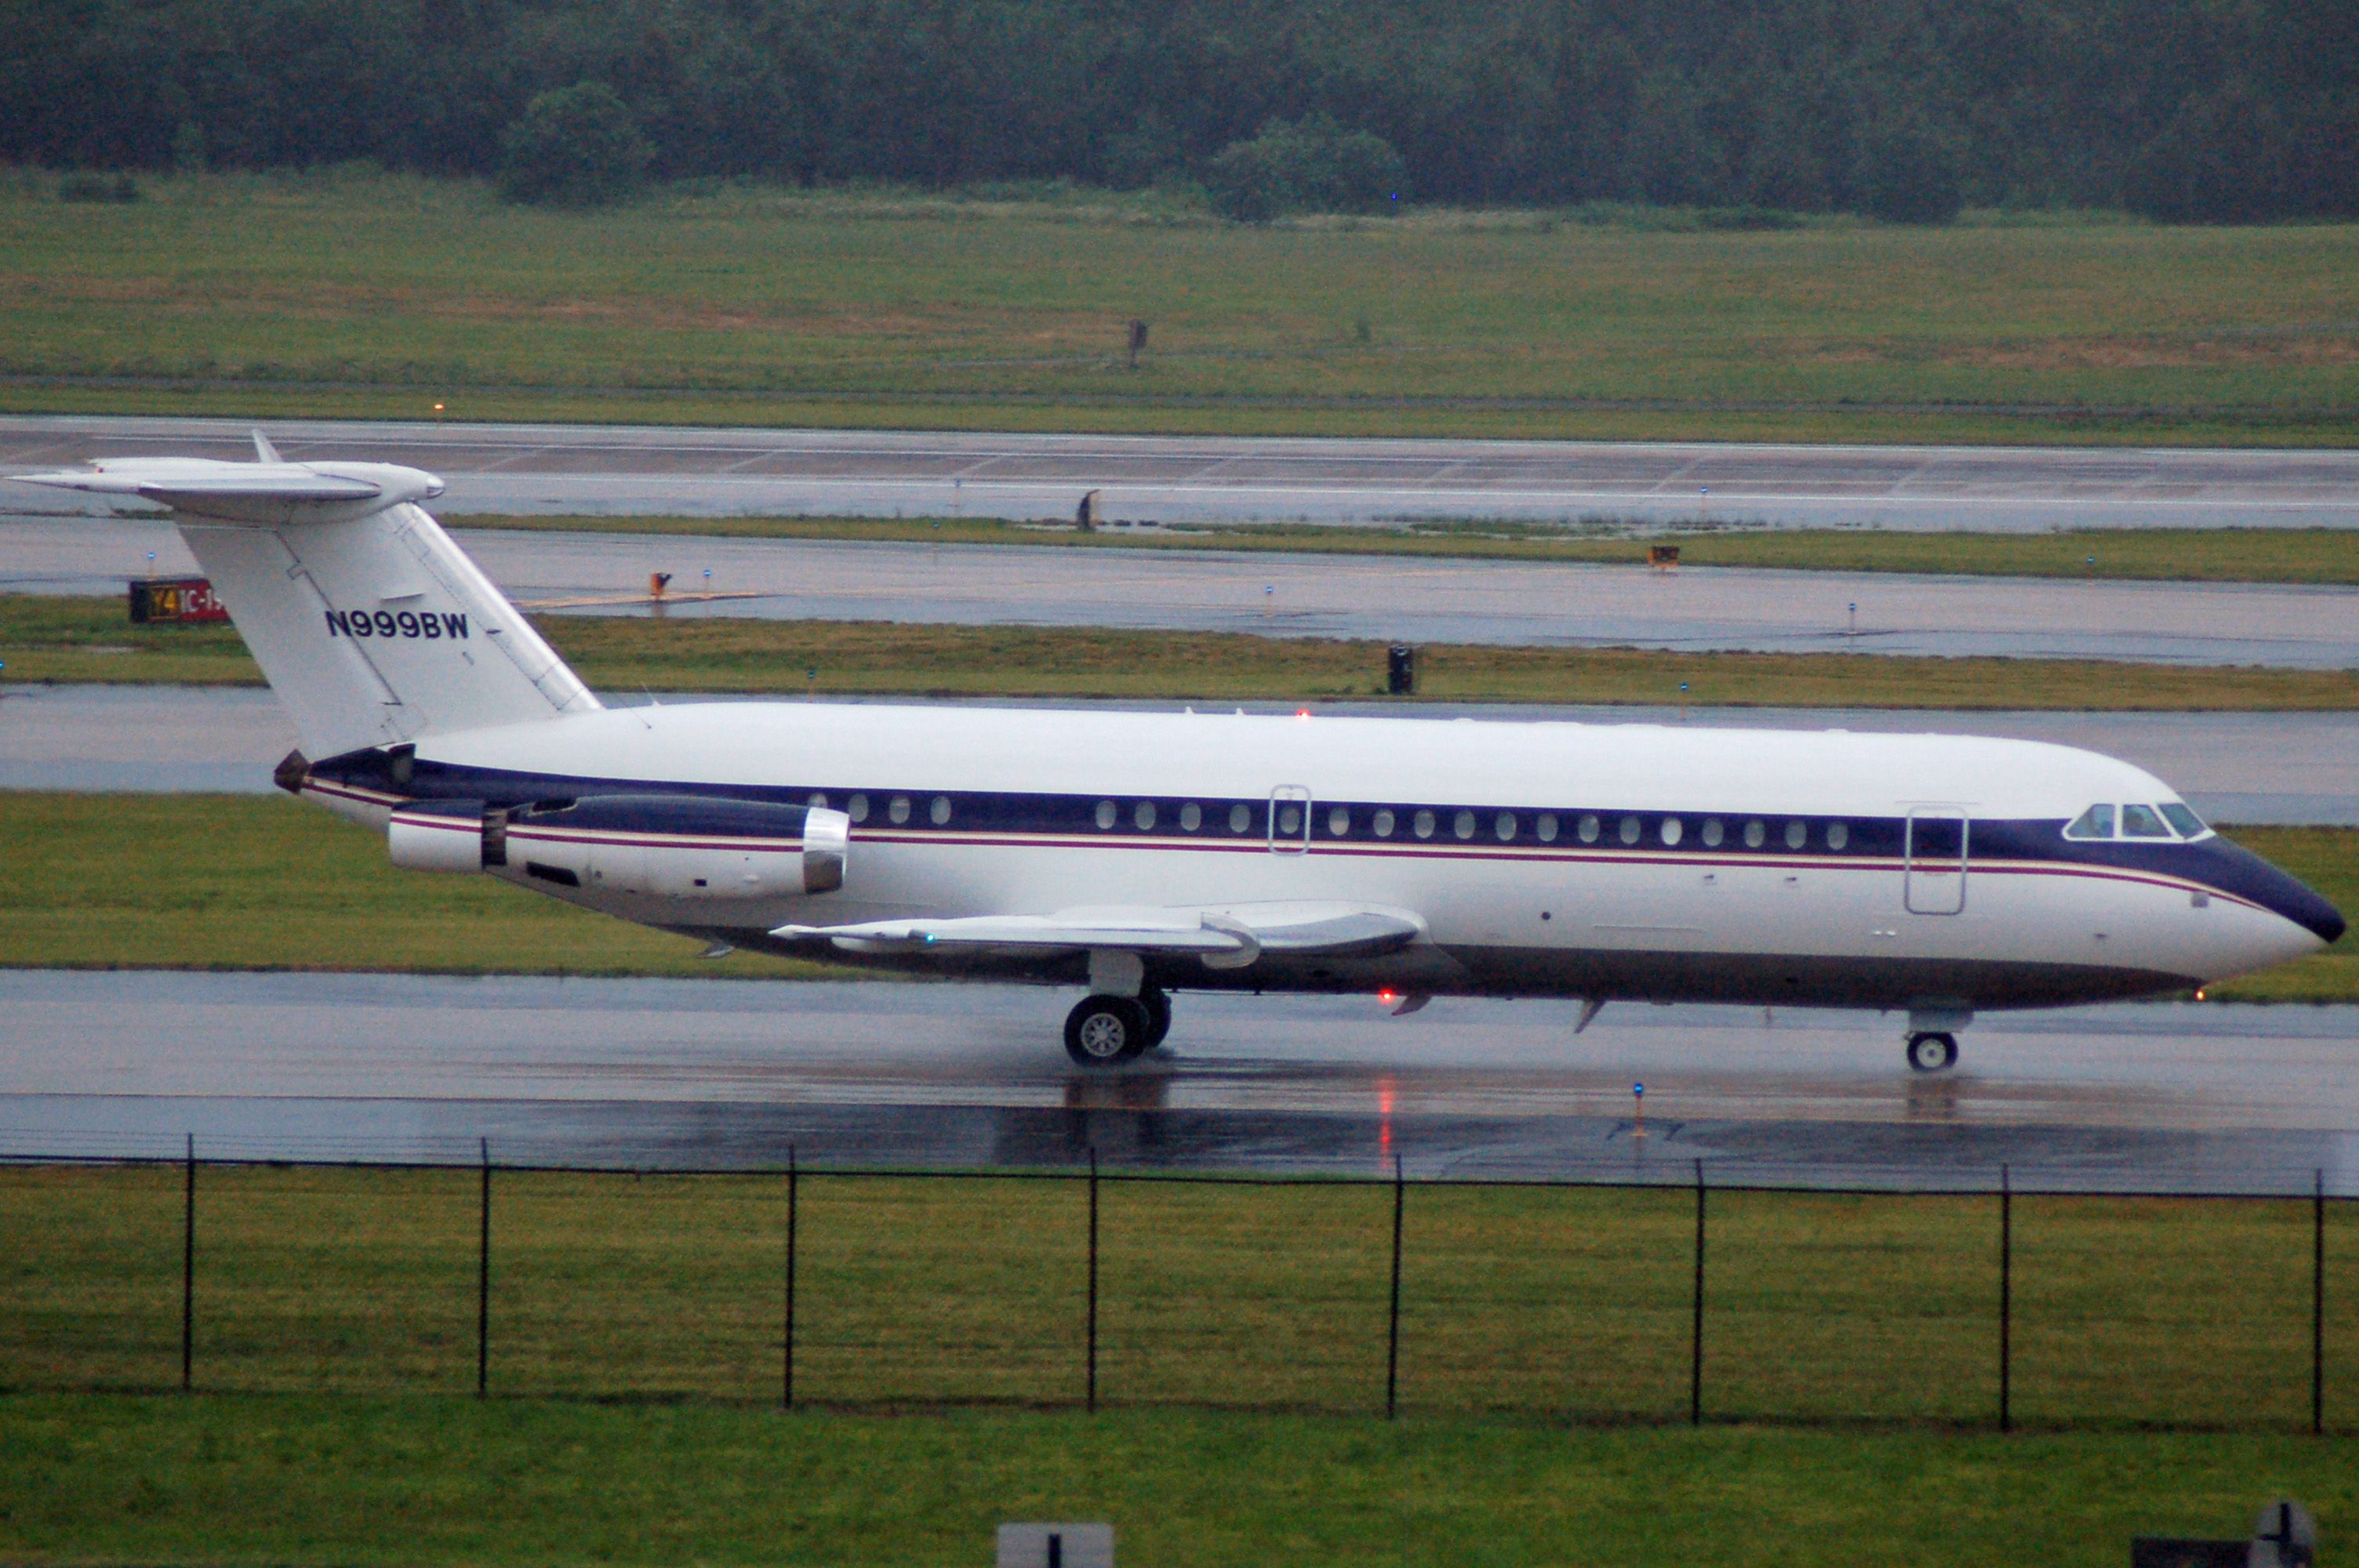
(1933, 875)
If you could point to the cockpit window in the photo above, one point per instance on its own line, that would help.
(2097, 822)
(2143, 822)
(2190, 825)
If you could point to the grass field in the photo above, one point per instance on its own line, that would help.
(113, 882)
(394, 1482)
(2325, 556)
(61, 639)
(369, 295)
(915, 1293)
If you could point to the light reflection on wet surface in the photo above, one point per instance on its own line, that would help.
(730, 1074)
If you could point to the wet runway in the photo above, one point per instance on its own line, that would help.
(623, 469)
(2233, 767)
(734, 1073)
(1416, 599)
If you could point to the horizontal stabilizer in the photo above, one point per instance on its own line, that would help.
(269, 495)
(1223, 938)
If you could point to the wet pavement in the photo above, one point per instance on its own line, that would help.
(1416, 599)
(563, 469)
(723, 1075)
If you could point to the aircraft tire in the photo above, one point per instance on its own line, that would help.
(1104, 1031)
(1932, 1053)
(1158, 1002)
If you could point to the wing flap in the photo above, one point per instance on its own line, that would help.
(1222, 936)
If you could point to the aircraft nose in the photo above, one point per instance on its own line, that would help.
(2234, 869)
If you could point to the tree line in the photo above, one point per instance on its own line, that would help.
(2185, 110)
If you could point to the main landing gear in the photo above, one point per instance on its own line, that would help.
(1932, 1051)
(1103, 1031)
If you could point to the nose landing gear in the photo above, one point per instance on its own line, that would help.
(1932, 1051)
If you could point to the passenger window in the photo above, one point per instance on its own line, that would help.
(2143, 822)
(2190, 825)
(899, 810)
(1672, 831)
(1240, 818)
(2097, 822)
(1463, 825)
(1339, 822)
(1755, 834)
(1713, 833)
(819, 802)
(1546, 827)
(1290, 821)
(1505, 826)
(940, 810)
(1838, 834)
(1191, 816)
(1796, 834)
(1629, 830)
(1384, 824)
(1143, 815)
(1424, 825)
(1589, 830)
(1106, 814)
(856, 808)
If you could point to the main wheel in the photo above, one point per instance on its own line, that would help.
(1104, 1029)
(1930, 1053)
(1157, 1003)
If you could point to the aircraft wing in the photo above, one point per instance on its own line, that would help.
(1223, 938)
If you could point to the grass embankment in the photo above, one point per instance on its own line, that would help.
(243, 882)
(387, 296)
(2321, 556)
(402, 1482)
(59, 639)
(922, 1292)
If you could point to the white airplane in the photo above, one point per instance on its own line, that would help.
(1137, 854)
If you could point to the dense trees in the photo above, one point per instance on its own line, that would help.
(2187, 109)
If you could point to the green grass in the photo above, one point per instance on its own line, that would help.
(2323, 556)
(400, 1482)
(109, 881)
(928, 1293)
(386, 295)
(60, 638)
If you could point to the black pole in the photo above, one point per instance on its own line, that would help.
(2005, 1300)
(794, 1204)
(1092, 1395)
(189, 1269)
(2318, 1305)
(1392, 1333)
(484, 1281)
(1695, 1349)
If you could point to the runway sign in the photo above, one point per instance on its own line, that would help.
(174, 600)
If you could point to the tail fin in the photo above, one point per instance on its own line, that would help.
(371, 625)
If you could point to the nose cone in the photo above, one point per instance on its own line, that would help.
(2237, 871)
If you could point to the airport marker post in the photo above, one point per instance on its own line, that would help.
(1695, 1349)
(189, 1269)
(2006, 1299)
(1392, 1331)
(794, 1206)
(483, 1278)
(1090, 1396)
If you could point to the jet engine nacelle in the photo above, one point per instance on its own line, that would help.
(658, 846)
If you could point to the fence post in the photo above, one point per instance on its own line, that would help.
(1090, 1397)
(2005, 1300)
(1695, 1349)
(2318, 1305)
(189, 1269)
(794, 1206)
(484, 1279)
(1392, 1332)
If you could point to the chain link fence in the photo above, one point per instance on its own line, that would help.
(880, 1289)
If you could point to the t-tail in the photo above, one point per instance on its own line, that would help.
(371, 625)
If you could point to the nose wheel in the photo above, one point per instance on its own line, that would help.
(1932, 1053)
